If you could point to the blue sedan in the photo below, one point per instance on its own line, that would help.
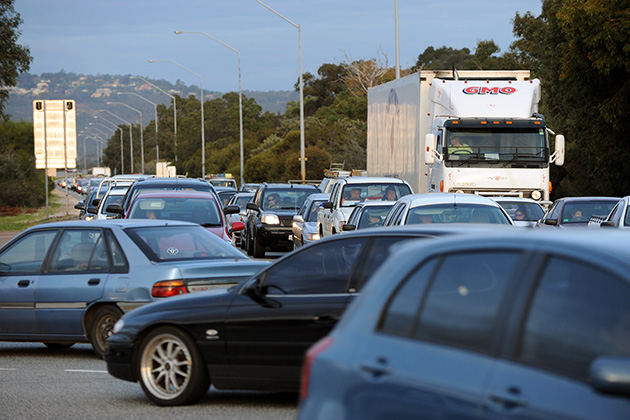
(68, 282)
(513, 325)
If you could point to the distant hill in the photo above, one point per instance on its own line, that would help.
(92, 92)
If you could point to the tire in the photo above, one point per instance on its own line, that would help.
(102, 327)
(249, 245)
(59, 346)
(170, 368)
(259, 250)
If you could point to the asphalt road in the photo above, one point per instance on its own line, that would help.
(39, 383)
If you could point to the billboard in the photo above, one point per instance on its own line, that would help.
(54, 123)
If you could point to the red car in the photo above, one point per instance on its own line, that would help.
(189, 206)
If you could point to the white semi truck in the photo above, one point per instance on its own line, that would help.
(412, 122)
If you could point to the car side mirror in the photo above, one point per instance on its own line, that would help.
(252, 206)
(611, 375)
(298, 218)
(233, 209)
(328, 205)
(236, 226)
(96, 202)
(79, 205)
(551, 222)
(92, 210)
(114, 208)
(347, 227)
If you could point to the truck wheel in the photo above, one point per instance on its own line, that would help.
(102, 327)
(258, 249)
(171, 369)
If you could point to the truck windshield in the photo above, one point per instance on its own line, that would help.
(520, 147)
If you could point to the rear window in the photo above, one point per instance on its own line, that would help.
(203, 211)
(462, 213)
(180, 243)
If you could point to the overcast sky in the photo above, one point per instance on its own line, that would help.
(120, 36)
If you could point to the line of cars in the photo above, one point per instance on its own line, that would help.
(254, 335)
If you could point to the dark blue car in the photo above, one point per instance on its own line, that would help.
(515, 325)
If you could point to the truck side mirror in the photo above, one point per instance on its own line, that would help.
(429, 149)
(558, 155)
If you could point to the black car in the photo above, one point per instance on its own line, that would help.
(252, 336)
(570, 212)
(269, 225)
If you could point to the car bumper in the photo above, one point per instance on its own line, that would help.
(275, 237)
(119, 361)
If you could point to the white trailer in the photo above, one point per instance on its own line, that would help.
(495, 113)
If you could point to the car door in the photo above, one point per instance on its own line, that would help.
(301, 298)
(20, 265)
(434, 347)
(578, 312)
(75, 277)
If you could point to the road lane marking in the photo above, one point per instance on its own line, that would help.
(85, 371)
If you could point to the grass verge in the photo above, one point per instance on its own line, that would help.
(28, 218)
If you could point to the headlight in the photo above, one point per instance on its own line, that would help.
(536, 195)
(118, 326)
(314, 236)
(270, 219)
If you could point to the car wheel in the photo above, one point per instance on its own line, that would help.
(259, 250)
(59, 346)
(102, 327)
(250, 246)
(171, 369)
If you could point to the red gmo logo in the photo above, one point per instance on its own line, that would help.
(485, 90)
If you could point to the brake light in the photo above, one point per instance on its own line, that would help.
(168, 288)
(312, 353)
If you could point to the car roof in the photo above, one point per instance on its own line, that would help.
(375, 203)
(370, 180)
(446, 198)
(175, 193)
(171, 181)
(591, 243)
(122, 223)
(515, 200)
(592, 198)
(318, 196)
(287, 185)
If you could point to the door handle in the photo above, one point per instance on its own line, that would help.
(93, 282)
(23, 283)
(325, 319)
(377, 369)
(508, 400)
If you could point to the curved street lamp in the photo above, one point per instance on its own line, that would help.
(157, 144)
(240, 92)
(302, 158)
(141, 130)
(130, 136)
(174, 108)
(201, 99)
(122, 155)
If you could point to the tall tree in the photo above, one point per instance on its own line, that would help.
(16, 58)
(579, 49)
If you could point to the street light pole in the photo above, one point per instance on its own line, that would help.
(240, 91)
(174, 108)
(157, 144)
(397, 47)
(302, 157)
(122, 156)
(130, 136)
(203, 132)
(141, 130)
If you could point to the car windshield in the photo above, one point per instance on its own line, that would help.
(242, 202)
(312, 215)
(462, 213)
(355, 193)
(529, 212)
(285, 199)
(203, 211)
(581, 211)
(502, 147)
(373, 216)
(177, 243)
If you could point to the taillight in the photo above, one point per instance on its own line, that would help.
(168, 288)
(310, 357)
